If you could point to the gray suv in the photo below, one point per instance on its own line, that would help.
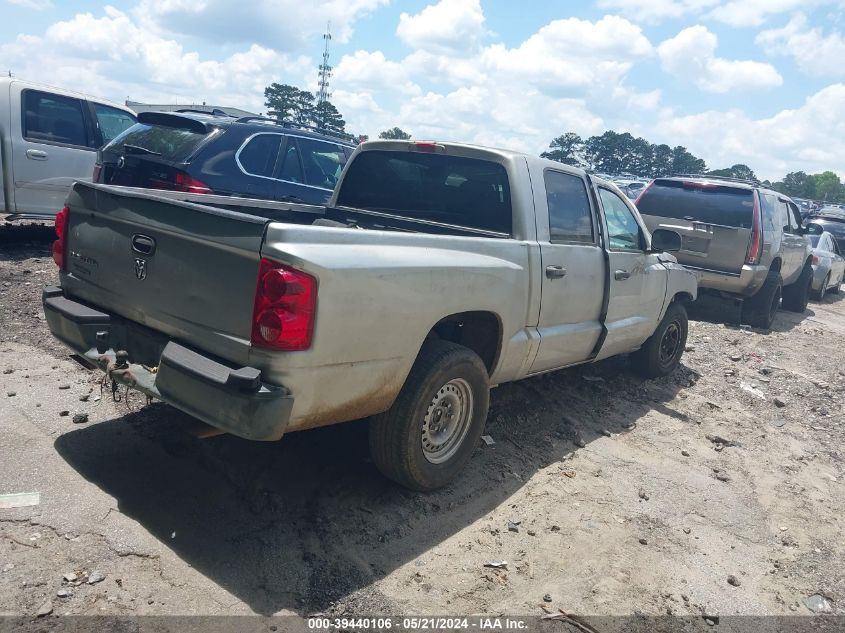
(744, 240)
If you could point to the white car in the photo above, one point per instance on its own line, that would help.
(828, 265)
(49, 138)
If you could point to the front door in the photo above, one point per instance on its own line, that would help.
(637, 279)
(53, 146)
(573, 270)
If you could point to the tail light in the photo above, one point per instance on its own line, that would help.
(180, 181)
(60, 245)
(816, 260)
(284, 311)
(755, 245)
(98, 169)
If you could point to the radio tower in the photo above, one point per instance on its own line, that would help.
(325, 69)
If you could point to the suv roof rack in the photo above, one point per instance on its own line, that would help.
(214, 112)
(349, 138)
(746, 181)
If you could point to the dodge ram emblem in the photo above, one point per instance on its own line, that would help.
(140, 268)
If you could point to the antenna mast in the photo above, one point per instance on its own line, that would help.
(325, 69)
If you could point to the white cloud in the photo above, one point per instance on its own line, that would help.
(37, 5)
(114, 56)
(809, 138)
(813, 51)
(691, 56)
(280, 24)
(446, 27)
(651, 11)
(371, 70)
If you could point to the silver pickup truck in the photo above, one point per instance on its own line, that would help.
(435, 272)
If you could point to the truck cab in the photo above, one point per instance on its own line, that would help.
(49, 139)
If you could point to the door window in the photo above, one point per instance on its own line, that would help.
(794, 218)
(291, 167)
(622, 228)
(785, 215)
(570, 219)
(322, 162)
(112, 121)
(258, 156)
(54, 119)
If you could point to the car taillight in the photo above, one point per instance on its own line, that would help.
(755, 245)
(285, 308)
(816, 260)
(180, 182)
(642, 194)
(98, 169)
(60, 245)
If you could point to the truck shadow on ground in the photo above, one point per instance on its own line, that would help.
(305, 523)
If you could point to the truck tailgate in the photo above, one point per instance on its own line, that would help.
(184, 269)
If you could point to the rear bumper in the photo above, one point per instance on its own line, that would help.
(745, 283)
(233, 399)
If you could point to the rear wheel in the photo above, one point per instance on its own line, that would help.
(796, 296)
(759, 311)
(427, 437)
(661, 353)
(819, 294)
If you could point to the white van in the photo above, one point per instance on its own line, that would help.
(48, 140)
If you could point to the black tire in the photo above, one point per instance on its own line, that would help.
(661, 353)
(796, 296)
(818, 295)
(759, 310)
(444, 376)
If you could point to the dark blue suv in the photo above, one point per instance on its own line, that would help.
(249, 157)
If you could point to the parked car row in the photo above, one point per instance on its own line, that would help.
(745, 241)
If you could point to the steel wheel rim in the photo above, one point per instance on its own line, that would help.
(670, 342)
(447, 421)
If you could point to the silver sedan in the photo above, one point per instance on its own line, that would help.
(828, 265)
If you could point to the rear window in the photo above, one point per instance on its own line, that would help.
(466, 192)
(170, 143)
(711, 204)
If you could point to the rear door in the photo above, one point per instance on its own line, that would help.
(573, 269)
(714, 221)
(53, 145)
(794, 242)
(309, 169)
(637, 279)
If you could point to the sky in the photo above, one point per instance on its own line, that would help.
(760, 82)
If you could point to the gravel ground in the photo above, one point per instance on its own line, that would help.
(717, 490)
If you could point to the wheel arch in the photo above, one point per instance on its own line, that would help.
(479, 331)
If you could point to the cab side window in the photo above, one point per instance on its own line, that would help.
(111, 121)
(623, 231)
(570, 219)
(54, 119)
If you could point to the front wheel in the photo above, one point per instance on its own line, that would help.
(427, 437)
(661, 353)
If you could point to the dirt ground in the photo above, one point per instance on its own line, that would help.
(718, 490)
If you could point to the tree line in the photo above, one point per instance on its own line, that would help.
(611, 152)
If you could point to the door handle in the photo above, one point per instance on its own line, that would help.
(36, 154)
(621, 275)
(555, 272)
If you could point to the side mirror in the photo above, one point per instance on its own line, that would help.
(664, 240)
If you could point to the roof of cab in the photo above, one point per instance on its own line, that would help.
(64, 92)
